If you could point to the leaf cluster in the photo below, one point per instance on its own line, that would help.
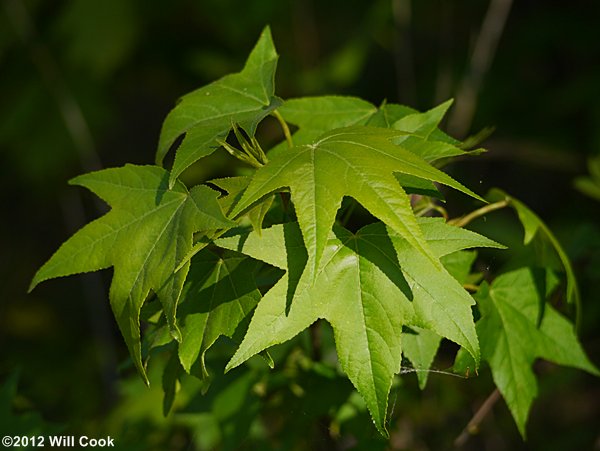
(255, 259)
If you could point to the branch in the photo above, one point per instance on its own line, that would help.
(481, 60)
(403, 58)
(69, 108)
(472, 426)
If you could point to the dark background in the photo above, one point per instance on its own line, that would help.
(86, 84)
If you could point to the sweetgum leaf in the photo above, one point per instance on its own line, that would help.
(359, 162)
(208, 113)
(388, 113)
(235, 186)
(420, 347)
(145, 235)
(316, 115)
(219, 293)
(369, 286)
(425, 139)
(512, 337)
(422, 124)
(532, 224)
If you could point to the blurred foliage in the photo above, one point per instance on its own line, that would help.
(122, 63)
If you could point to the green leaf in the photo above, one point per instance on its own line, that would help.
(170, 381)
(590, 185)
(388, 113)
(356, 161)
(235, 186)
(420, 347)
(145, 235)
(459, 264)
(532, 224)
(424, 124)
(370, 285)
(316, 115)
(208, 113)
(219, 293)
(511, 338)
(425, 139)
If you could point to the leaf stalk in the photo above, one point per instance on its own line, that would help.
(284, 126)
(464, 220)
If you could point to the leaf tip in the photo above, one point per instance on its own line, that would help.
(34, 283)
(172, 180)
(175, 332)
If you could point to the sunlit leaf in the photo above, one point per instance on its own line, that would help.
(145, 235)
(370, 285)
(210, 112)
(359, 162)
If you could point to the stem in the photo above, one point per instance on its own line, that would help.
(472, 426)
(284, 127)
(464, 220)
(49, 70)
(471, 287)
(481, 60)
(433, 207)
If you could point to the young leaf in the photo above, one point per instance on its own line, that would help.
(208, 113)
(219, 293)
(388, 113)
(512, 337)
(422, 125)
(145, 235)
(356, 161)
(316, 115)
(425, 139)
(370, 285)
(532, 224)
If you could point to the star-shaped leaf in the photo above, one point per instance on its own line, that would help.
(369, 286)
(208, 113)
(514, 332)
(145, 236)
(316, 115)
(219, 293)
(355, 161)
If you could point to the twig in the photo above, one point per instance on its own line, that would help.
(464, 220)
(405, 76)
(69, 108)
(481, 60)
(472, 426)
(73, 212)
